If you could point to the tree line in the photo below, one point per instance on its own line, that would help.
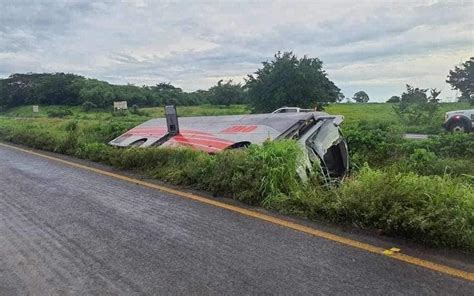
(71, 89)
(286, 80)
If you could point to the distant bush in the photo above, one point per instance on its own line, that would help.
(59, 113)
(455, 145)
(119, 113)
(394, 99)
(426, 163)
(424, 129)
(136, 110)
(88, 106)
(417, 107)
(103, 133)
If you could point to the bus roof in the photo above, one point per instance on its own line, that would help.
(215, 133)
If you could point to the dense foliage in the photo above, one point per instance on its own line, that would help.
(227, 93)
(285, 81)
(373, 142)
(394, 99)
(361, 97)
(289, 81)
(381, 144)
(70, 89)
(416, 106)
(462, 79)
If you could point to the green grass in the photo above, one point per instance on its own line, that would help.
(435, 210)
(369, 111)
(202, 110)
(384, 112)
(78, 113)
(352, 113)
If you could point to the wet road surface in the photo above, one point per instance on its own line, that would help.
(64, 230)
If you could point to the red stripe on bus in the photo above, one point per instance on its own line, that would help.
(208, 142)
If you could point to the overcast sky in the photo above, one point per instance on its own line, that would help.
(376, 46)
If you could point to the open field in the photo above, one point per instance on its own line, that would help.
(100, 114)
(383, 111)
(351, 112)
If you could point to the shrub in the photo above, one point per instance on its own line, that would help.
(94, 151)
(434, 210)
(456, 145)
(433, 129)
(416, 107)
(373, 142)
(105, 131)
(255, 174)
(69, 141)
(32, 135)
(426, 163)
(88, 106)
(59, 113)
(119, 113)
(453, 145)
(135, 110)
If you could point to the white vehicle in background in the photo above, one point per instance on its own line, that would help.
(459, 121)
(292, 110)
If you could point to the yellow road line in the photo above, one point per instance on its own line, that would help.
(257, 215)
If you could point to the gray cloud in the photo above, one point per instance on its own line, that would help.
(372, 45)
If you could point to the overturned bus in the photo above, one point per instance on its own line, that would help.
(317, 132)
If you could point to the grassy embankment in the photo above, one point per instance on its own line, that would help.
(145, 113)
(352, 113)
(419, 190)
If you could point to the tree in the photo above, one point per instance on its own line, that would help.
(289, 81)
(48, 89)
(168, 94)
(394, 99)
(462, 79)
(226, 93)
(131, 93)
(416, 107)
(361, 97)
(198, 97)
(98, 92)
(88, 106)
(58, 88)
(340, 97)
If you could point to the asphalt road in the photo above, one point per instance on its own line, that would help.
(65, 230)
